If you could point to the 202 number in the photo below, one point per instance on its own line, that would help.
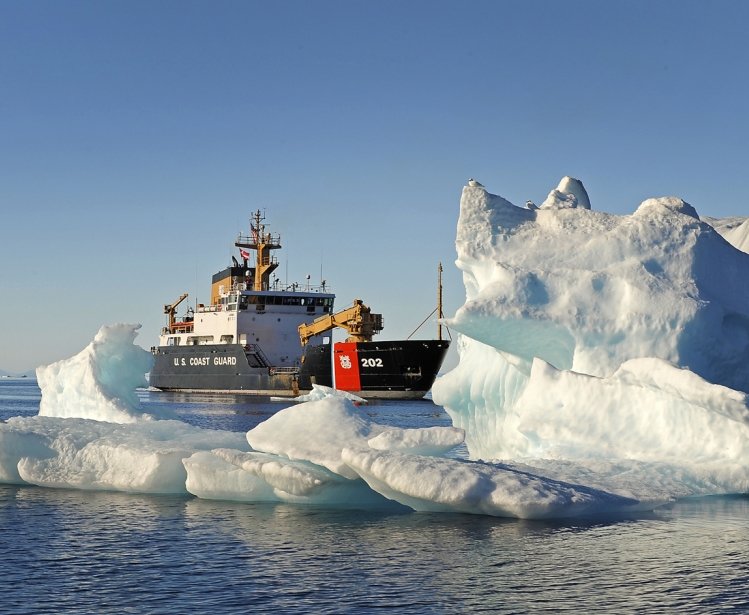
(371, 362)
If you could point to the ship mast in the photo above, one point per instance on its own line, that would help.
(439, 301)
(262, 243)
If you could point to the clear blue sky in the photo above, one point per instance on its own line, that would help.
(136, 137)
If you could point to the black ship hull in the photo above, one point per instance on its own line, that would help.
(403, 369)
(373, 370)
(217, 368)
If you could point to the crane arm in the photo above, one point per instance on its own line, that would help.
(170, 309)
(360, 323)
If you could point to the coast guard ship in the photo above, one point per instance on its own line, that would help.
(256, 338)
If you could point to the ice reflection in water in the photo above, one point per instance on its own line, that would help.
(86, 551)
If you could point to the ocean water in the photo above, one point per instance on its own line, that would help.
(64, 551)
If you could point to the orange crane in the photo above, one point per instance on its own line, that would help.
(360, 323)
(171, 309)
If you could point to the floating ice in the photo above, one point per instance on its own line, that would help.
(85, 454)
(586, 291)
(425, 441)
(91, 432)
(320, 391)
(449, 485)
(318, 432)
(315, 431)
(297, 457)
(99, 382)
(595, 346)
(326, 453)
(227, 474)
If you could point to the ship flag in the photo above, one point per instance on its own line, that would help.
(244, 254)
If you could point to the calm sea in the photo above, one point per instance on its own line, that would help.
(64, 551)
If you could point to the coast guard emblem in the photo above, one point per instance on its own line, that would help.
(345, 361)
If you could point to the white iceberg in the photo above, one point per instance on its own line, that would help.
(735, 230)
(144, 457)
(436, 484)
(319, 431)
(91, 432)
(320, 391)
(593, 342)
(326, 453)
(100, 381)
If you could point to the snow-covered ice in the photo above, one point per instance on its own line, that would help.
(100, 381)
(91, 432)
(449, 485)
(596, 345)
(735, 230)
(354, 462)
(321, 392)
(143, 457)
(604, 368)
(586, 290)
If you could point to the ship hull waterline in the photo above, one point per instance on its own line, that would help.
(403, 369)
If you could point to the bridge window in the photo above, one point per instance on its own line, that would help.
(199, 340)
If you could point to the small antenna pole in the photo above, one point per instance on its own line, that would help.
(439, 301)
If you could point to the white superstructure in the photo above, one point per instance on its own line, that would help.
(248, 310)
(268, 321)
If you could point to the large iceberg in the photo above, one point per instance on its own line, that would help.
(589, 338)
(586, 290)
